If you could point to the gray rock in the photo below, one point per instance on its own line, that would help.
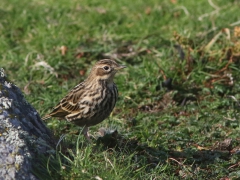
(23, 135)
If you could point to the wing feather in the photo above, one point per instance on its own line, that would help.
(69, 104)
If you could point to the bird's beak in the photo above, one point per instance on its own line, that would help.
(120, 67)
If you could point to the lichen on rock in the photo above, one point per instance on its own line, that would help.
(23, 135)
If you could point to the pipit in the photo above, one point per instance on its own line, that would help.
(91, 101)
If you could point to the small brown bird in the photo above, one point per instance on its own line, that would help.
(91, 101)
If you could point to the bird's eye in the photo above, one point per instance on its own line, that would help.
(106, 68)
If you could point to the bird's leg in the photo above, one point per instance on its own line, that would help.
(86, 134)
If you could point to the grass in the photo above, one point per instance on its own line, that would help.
(177, 116)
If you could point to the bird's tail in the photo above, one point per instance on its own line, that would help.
(46, 117)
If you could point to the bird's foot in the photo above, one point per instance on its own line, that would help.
(86, 134)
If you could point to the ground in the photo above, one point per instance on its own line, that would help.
(177, 116)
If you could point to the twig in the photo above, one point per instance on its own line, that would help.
(235, 99)
(235, 23)
(200, 18)
(176, 161)
(234, 165)
(184, 9)
(213, 5)
(229, 118)
(214, 39)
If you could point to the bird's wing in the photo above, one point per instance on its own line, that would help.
(69, 104)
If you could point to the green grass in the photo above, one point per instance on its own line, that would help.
(163, 132)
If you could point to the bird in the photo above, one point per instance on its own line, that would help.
(91, 101)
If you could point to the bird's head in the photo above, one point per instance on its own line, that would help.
(105, 70)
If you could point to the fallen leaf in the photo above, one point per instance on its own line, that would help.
(200, 147)
(101, 10)
(148, 10)
(26, 89)
(63, 50)
(98, 178)
(237, 31)
(174, 1)
(225, 178)
(82, 72)
(224, 145)
(46, 66)
(79, 55)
